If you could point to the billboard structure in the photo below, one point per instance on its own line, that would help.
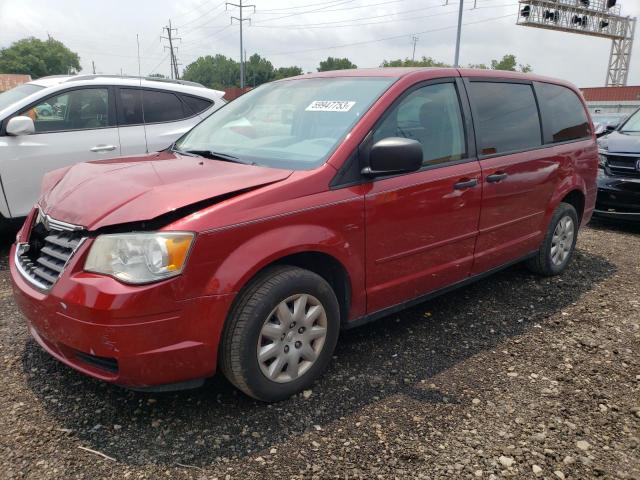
(596, 18)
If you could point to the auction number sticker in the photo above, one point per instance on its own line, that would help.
(330, 106)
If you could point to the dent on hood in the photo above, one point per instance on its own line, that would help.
(143, 193)
(169, 217)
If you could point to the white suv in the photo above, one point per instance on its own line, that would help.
(56, 121)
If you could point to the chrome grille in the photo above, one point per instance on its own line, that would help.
(50, 247)
(623, 165)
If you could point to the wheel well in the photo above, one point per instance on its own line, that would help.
(328, 268)
(576, 199)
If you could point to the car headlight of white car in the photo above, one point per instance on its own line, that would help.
(140, 257)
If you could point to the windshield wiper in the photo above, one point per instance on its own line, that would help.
(225, 157)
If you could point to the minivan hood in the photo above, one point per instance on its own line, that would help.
(617, 142)
(111, 192)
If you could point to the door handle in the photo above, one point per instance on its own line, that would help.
(497, 177)
(464, 184)
(103, 148)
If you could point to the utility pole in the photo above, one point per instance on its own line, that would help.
(414, 40)
(456, 63)
(93, 64)
(172, 50)
(241, 20)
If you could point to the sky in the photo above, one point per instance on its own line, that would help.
(303, 32)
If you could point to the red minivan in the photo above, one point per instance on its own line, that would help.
(306, 206)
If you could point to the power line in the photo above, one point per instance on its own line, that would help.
(172, 50)
(325, 10)
(209, 37)
(365, 42)
(194, 10)
(201, 15)
(241, 21)
(276, 11)
(387, 20)
(153, 70)
(334, 22)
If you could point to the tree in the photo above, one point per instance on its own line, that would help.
(39, 58)
(258, 70)
(423, 62)
(332, 63)
(217, 72)
(221, 72)
(481, 66)
(286, 72)
(509, 63)
(156, 75)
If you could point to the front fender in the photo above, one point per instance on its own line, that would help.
(225, 260)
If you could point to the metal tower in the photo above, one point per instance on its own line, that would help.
(596, 18)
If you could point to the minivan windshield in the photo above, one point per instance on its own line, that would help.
(293, 124)
(16, 94)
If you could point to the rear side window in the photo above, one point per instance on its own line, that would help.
(129, 106)
(196, 105)
(564, 115)
(162, 107)
(158, 107)
(506, 117)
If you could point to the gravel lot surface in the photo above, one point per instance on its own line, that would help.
(515, 376)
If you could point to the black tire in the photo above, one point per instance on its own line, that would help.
(542, 263)
(238, 353)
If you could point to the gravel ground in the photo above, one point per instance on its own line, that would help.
(515, 376)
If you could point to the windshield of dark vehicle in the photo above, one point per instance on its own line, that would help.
(16, 94)
(607, 119)
(294, 124)
(633, 124)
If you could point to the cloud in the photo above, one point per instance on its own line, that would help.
(105, 32)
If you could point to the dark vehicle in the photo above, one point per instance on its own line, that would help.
(619, 173)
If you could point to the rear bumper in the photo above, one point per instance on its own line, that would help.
(124, 334)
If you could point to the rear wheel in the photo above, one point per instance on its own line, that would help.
(559, 243)
(281, 333)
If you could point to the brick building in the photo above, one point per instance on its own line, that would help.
(10, 80)
(612, 99)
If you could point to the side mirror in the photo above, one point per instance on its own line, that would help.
(394, 155)
(20, 126)
(611, 128)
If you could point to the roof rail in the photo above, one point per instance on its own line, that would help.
(53, 76)
(76, 78)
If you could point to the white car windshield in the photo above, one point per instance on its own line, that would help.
(294, 124)
(16, 94)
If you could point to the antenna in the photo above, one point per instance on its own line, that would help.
(144, 124)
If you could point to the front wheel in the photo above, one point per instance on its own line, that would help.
(281, 333)
(559, 243)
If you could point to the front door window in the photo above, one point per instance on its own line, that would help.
(82, 109)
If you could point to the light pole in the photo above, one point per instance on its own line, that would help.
(456, 62)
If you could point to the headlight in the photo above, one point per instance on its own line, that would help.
(140, 257)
